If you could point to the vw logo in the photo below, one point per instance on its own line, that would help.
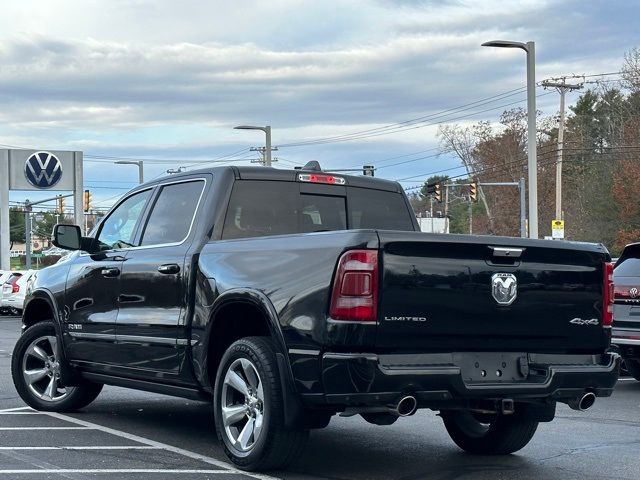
(504, 288)
(43, 170)
(633, 292)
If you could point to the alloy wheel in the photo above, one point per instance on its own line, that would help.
(242, 404)
(41, 370)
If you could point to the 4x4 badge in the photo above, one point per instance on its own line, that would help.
(504, 288)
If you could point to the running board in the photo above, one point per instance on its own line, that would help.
(162, 388)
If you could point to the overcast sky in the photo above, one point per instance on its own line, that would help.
(169, 80)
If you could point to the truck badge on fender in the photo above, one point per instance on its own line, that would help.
(504, 288)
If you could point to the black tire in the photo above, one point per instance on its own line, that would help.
(633, 367)
(34, 393)
(275, 446)
(504, 434)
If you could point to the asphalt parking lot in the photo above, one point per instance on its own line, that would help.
(128, 434)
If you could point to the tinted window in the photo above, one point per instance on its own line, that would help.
(629, 267)
(378, 209)
(172, 213)
(259, 208)
(117, 230)
(318, 213)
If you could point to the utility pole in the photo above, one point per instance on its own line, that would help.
(562, 86)
(266, 159)
(446, 201)
(470, 217)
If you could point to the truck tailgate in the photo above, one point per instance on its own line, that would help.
(464, 293)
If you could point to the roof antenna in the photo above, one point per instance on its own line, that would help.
(312, 165)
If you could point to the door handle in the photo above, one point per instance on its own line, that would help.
(169, 268)
(110, 272)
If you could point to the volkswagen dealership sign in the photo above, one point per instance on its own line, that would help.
(43, 170)
(37, 170)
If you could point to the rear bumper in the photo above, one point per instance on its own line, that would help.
(443, 379)
(621, 336)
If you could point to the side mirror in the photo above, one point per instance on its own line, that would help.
(68, 237)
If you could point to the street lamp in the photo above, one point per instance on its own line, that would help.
(532, 164)
(134, 162)
(267, 131)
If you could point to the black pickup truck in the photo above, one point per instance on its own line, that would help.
(285, 297)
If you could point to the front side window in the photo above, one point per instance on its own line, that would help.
(172, 213)
(118, 230)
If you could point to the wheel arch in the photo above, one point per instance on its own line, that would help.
(41, 306)
(259, 318)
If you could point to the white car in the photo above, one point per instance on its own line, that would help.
(14, 289)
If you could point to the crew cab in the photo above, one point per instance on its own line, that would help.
(285, 297)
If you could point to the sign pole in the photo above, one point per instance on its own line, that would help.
(5, 238)
(78, 207)
(27, 233)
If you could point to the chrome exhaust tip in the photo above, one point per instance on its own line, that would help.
(406, 406)
(583, 403)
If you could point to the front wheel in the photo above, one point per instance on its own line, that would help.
(249, 408)
(496, 435)
(36, 368)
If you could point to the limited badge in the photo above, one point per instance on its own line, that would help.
(504, 288)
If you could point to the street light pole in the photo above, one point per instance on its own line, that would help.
(267, 132)
(134, 162)
(532, 164)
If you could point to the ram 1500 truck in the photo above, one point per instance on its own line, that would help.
(284, 297)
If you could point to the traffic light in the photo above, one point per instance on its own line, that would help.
(437, 192)
(86, 201)
(368, 170)
(473, 191)
(61, 205)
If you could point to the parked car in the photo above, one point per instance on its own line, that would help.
(14, 290)
(9, 280)
(285, 297)
(626, 316)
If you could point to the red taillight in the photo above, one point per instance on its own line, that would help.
(627, 292)
(608, 295)
(355, 288)
(15, 288)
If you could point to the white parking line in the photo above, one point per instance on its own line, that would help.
(20, 413)
(164, 446)
(15, 409)
(115, 470)
(45, 428)
(91, 447)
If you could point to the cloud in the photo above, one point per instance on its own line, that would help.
(173, 78)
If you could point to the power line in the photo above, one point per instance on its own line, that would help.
(400, 126)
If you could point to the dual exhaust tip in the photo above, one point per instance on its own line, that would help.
(408, 405)
(405, 407)
(583, 403)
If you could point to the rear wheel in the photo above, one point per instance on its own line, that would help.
(633, 367)
(249, 408)
(36, 369)
(488, 435)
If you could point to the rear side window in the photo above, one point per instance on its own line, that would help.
(628, 267)
(262, 208)
(172, 214)
(378, 209)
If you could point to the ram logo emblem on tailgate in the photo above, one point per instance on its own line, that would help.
(504, 288)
